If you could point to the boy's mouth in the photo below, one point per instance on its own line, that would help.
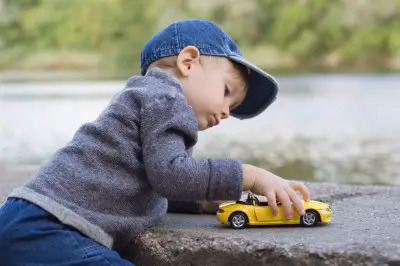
(214, 121)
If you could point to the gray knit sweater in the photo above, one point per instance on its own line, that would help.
(113, 179)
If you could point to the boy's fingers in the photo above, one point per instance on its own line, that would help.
(297, 202)
(287, 206)
(299, 186)
(272, 202)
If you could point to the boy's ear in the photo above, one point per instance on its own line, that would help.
(187, 58)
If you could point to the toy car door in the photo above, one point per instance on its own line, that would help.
(264, 212)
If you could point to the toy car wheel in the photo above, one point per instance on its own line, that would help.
(238, 220)
(309, 219)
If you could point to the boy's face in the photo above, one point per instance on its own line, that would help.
(212, 88)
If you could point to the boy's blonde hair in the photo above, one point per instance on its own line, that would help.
(169, 63)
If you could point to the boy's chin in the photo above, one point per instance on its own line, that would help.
(202, 127)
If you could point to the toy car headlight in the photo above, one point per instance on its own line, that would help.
(327, 210)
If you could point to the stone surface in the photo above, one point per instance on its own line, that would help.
(365, 230)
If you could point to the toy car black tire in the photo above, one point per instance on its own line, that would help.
(238, 220)
(310, 219)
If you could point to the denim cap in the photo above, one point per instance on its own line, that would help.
(210, 39)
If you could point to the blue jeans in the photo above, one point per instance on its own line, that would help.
(31, 236)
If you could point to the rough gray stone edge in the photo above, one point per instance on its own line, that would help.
(169, 247)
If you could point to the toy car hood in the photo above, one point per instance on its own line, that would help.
(226, 204)
(315, 204)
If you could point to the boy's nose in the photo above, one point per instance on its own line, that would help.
(224, 114)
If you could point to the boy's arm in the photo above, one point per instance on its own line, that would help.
(168, 130)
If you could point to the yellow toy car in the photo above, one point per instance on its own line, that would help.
(240, 214)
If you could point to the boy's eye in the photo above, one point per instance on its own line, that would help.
(227, 92)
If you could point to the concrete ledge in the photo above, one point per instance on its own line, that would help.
(365, 231)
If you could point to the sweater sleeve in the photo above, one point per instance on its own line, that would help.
(168, 131)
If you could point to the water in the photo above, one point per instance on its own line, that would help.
(339, 128)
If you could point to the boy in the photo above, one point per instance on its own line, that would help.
(113, 179)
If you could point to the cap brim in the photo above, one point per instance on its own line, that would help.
(262, 89)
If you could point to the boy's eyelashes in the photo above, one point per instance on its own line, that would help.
(227, 94)
(227, 91)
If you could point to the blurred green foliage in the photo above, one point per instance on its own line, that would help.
(282, 34)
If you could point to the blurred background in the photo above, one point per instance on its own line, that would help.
(337, 114)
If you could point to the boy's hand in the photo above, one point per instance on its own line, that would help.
(262, 182)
